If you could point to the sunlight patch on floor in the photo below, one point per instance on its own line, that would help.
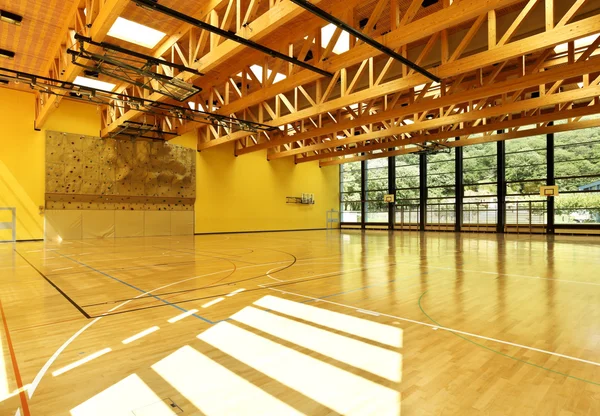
(374, 359)
(122, 399)
(339, 390)
(214, 389)
(374, 331)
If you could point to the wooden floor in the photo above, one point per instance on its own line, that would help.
(315, 323)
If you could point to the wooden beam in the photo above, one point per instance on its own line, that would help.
(278, 16)
(532, 44)
(492, 36)
(549, 14)
(517, 22)
(520, 83)
(108, 13)
(492, 138)
(459, 12)
(509, 108)
(462, 132)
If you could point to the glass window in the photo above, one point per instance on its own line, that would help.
(577, 173)
(407, 189)
(441, 188)
(377, 187)
(480, 187)
(350, 188)
(525, 173)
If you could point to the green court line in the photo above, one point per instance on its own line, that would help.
(501, 353)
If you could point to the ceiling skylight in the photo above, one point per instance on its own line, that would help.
(579, 43)
(135, 33)
(343, 43)
(94, 83)
(258, 73)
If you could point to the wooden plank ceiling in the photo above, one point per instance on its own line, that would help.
(504, 65)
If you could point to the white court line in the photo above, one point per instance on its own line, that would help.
(181, 316)
(367, 312)
(52, 359)
(44, 369)
(64, 268)
(140, 335)
(274, 278)
(81, 362)
(235, 292)
(436, 327)
(14, 393)
(212, 302)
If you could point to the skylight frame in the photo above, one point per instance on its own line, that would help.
(136, 33)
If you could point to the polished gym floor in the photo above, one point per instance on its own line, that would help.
(314, 323)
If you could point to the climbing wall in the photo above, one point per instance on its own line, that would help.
(85, 172)
(90, 180)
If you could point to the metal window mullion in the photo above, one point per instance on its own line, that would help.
(422, 191)
(550, 180)
(459, 191)
(501, 187)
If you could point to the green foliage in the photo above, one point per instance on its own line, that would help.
(577, 153)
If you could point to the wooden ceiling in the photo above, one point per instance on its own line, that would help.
(496, 59)
(35, 41)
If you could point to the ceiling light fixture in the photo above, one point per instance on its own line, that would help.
(6, 54)
(94, 83)
(9, 17)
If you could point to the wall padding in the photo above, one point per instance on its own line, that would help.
(157, 223)
(182, 223)
(66, 225)
(129, 223)
(78, 224)
(98, 224)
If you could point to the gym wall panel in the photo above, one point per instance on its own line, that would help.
(129, 223)
(64, 225)
(182, 222)
(248, 193)
(105, 224)
(98, 224)
(157, 223)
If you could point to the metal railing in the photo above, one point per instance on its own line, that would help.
(441, 214)
(10, 225)
(526, 214)
(333, 219)
(480, 215)
(407, 216)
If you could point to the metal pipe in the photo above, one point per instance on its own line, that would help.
(50, 85)
(151, 5)
(148, 58)
(367, 39)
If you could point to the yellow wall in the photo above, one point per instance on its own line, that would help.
(247, 193)
(22, 174)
